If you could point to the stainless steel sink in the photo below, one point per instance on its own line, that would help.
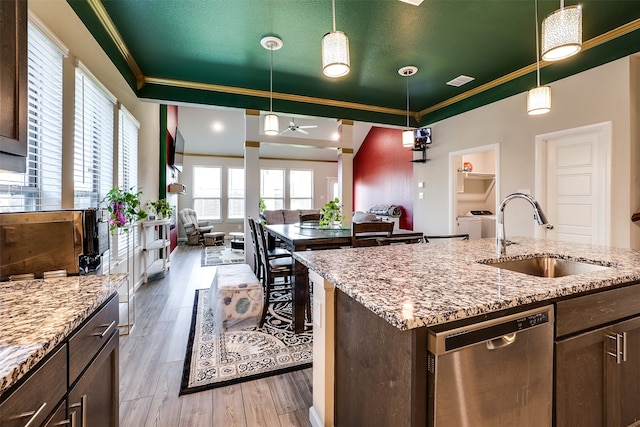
(547, 266)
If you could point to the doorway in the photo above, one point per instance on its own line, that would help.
(473, 189)
(573, 183)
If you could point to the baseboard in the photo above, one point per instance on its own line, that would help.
(314, 418)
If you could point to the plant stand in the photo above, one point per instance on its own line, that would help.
(158, 247)
(126, 291)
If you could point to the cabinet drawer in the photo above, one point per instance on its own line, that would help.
(36, 398)
(581, 313)
(85, 344)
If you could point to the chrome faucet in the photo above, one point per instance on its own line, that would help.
(538, 215)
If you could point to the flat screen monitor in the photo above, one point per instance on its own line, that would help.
(178, 157)
(422, 137)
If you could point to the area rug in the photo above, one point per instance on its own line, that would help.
(220, 255)
(217, 359)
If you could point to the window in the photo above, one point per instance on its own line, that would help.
(127, 165)
(300, 189)
(39, 188)
(93, 141)
(272, 188)
(207, 192)
(235, 195)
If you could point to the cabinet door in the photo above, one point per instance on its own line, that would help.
(13, 82)
(580, 380)
(623, 379)
(95, 397)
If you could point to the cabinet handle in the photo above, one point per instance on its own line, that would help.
(83, 409)
(620, 352)
(102, 335)
(31, 414)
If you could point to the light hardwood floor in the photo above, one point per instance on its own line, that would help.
(152, 357)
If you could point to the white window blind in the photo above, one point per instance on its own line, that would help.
(235, 193)
(207, 192)
(40, 187)
(93, 141)
(127, 168)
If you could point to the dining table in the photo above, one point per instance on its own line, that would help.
(298, 237)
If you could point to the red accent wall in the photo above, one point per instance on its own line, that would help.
(383, 174)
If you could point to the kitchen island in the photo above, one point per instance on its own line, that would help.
(404, 291)
(53, 332)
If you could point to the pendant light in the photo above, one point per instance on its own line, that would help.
(562, 33)
(271, 124)
(335, 51)
(408, 138)
(538, 98)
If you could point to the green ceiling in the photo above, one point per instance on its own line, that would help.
(208, 51)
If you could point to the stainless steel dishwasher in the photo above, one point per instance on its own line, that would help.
(497, 372)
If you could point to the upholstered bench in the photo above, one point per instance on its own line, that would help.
(213, 238)
(236, 297)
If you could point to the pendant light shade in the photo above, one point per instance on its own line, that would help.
(562, 33)
(271, 122)
(539, 100)
(335, 54)
(335, 50)
(408, 138)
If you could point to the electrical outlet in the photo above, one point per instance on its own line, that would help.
(317, 314)
(421, 195)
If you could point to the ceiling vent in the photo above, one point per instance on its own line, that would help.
(460, 80)
(413, 2)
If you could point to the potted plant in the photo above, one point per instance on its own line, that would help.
(124, 207)
(161, 208)
(331, 214)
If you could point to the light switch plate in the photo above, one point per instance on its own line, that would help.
(421, 195)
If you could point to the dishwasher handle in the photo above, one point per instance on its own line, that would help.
(503, 341)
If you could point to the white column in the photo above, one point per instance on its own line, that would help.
(251, 188)
(345, 169)
(322, 412)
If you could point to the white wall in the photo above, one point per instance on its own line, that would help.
(598, 95)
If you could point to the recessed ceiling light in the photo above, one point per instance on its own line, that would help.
(413, 2)
(217, 126)
(460, 80)
(335, 136)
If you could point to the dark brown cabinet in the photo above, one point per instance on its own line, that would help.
(77, 385)
(94, 398)
(13, 85)
(598, 371)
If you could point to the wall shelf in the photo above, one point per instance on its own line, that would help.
(160, 241)
(423, 158)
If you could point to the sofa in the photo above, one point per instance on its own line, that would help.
(285, 216)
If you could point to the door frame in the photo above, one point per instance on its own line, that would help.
(453, 178)
(604, 129)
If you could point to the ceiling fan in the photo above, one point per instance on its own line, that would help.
(293, 127)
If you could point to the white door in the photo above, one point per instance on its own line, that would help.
(574, 177)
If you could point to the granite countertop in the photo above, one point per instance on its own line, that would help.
(417, 285)
(37, 315)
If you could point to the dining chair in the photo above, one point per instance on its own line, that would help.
(365, 233)
(272, 269)
(272, 253)
(427, 239)
(396, 240)
(313, 218)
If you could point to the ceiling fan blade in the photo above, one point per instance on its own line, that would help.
(285, 131)
(307, 127)
(303, 131)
